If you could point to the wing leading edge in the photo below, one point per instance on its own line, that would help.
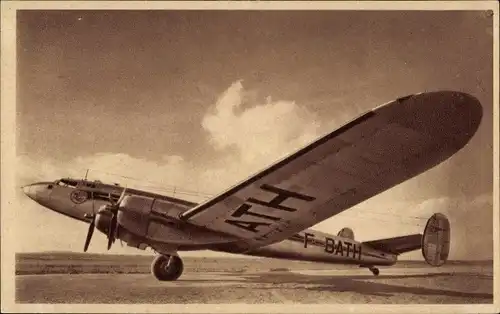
(378, 150)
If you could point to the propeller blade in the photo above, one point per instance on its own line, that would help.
(93, 202)
(110, 198)
(89, 234)
(121, 196)
(112, 230)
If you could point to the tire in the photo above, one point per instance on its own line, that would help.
(375, 271)
(167, 268)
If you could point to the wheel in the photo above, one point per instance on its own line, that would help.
(374, 270)
(167, 268)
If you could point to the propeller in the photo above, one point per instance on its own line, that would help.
(113, 208)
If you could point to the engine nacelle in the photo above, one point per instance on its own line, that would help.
(146, 220)
(346, 233)
(137, 204)
(134, 214)
(132, 221)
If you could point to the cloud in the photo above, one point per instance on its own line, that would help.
(252, 138)
(261, 133)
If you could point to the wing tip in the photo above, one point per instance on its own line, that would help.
(453, 114)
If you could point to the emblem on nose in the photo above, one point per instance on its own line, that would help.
(79, 196)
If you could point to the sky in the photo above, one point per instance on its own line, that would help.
(200, 100)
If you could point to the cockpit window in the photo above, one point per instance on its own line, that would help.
(67, 182)
(76, 183)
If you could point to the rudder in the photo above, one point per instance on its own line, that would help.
(436, 240)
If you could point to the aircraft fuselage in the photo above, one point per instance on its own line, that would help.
(164, 232)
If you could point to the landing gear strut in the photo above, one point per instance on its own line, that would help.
(374, 270)
(167, 268)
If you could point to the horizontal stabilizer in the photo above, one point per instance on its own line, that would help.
(397, 245)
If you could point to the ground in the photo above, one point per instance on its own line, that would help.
(59, 278)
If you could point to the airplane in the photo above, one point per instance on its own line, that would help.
(270, 213)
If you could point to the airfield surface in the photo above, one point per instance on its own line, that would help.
(254, 281)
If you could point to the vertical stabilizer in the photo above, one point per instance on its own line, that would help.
(436, 240)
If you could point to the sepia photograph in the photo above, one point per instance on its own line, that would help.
(249, 157)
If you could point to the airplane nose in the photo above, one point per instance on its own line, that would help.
(27, 191)
(37, 192)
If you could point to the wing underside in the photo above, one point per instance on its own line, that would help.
(365, 157)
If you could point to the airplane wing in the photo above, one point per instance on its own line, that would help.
(397, 245)
(376, 151)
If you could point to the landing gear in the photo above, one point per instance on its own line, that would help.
(374, 270)
(167, 268)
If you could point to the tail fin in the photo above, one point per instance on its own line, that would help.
(436, 240)
(434, 243)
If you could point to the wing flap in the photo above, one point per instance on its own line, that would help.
(397, 245)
